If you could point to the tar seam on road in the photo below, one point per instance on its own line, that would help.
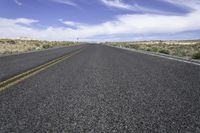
(21, 77)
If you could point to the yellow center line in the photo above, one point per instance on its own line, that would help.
(16, 79)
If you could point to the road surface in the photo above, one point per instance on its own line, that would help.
(100, 89)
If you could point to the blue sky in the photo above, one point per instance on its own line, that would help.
(100, 20)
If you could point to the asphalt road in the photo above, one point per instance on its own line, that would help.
(104, 89)
(16, 64)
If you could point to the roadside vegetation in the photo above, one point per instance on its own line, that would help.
(10, 46)
(189, 49)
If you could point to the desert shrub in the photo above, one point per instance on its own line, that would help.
(154, 49)
(196, 55)
(1, 41)
(164, 51)
(30, 49)
(182, 52)
(134, 46)
(37, 44)
(148, 49)
(11, 41)
(6, 52)
(46, 46)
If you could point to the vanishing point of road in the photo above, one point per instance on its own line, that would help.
(96, 88)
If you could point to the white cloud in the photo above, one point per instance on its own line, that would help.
(25, 21)
(117, 4)
(194, 4)
(123, 25)
(18, 2)
(72, 24)
(67, 2)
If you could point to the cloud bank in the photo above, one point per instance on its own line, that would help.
(117, 4)
(67, 2)
(122, 25)
(18, 2)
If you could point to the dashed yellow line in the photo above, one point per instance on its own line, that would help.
(19, 78)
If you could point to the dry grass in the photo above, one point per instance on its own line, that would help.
(9, 46)
(187, 49)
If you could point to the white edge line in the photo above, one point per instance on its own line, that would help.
(157, 55)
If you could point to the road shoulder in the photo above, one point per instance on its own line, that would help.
(170, 57)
